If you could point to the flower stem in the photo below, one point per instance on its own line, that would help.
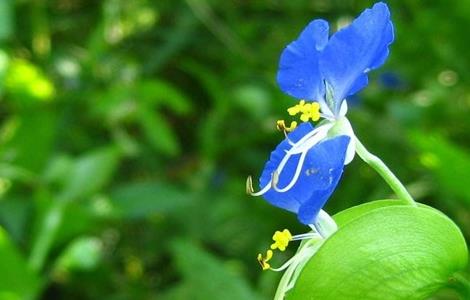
(378, 165)
(306, 250)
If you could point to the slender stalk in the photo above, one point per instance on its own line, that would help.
(378, 165)
(296, 266)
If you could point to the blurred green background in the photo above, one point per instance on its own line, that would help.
(128, 128)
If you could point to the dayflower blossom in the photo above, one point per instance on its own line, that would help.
(304, 169)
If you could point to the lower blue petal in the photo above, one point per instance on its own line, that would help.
(327, 157)
(319, 175)
(288, 201)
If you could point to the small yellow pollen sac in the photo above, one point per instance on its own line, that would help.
(296, 108)
(281, 239)
(263, 261)
(310, 111)
(281, 126)
(307, 111)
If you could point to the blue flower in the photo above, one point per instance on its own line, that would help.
(304, 169)
(314, 68)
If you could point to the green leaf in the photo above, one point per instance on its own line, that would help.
(160, 136)
(16, 279)
(163, 93)
(29, 151)
(208, 276)
(142, 199)
(448, 163)
(90, 173)
(82, 254)
(6, 19)
(393, 252)
(348, 215)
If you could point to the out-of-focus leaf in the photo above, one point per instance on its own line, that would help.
(208, 276)
(13, 172)
(31, 139)
(6, 19)
(58, 169)
(26, 82)
(394, 252)
(161, 93)
(90, 173)
(140, 200)
(82, 254)
(16, 279)
(14, 216)
(448, 163)
(254, 99)
(4, 61)
(78, 219)
(158, 133)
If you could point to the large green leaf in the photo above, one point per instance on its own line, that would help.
(347, 215)
(393, 252)
(17, 281)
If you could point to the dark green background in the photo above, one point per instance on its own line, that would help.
(146, 117)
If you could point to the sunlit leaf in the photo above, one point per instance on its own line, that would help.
(393, 252)
(82, 254)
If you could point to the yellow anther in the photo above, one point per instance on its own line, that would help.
(296, 108)
(281, 239)
(308, 111)
(263, 261)
(281, 126)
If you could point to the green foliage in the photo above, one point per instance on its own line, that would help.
(206, 277)
(127, 129)
(385, 251)
(17, 281)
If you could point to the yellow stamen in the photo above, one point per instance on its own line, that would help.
(281, 126)
(296, 108)
(281, 239)
(308, 111)
(263, 261)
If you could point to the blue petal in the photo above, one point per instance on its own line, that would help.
(355, 50)
(320, 174)
(289, 200)
(299, 75)
(328, 158)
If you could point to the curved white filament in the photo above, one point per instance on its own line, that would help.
(300, 147)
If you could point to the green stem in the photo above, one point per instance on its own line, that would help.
(295, 267)
(46, 236)
(378, 165)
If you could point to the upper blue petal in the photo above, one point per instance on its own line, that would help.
(355, 50)
(319, 175)
(299, 75)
